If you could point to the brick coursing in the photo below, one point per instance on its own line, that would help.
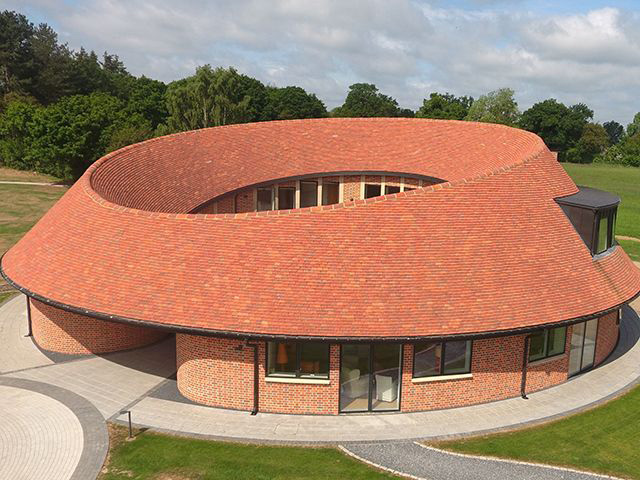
(351, 187)
(64, 332)
(213, 372)
(608, 331)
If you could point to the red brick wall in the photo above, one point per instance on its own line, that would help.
(64, 332)
(212, 372)
(496, 365)
(607, 336)
(351, 187)
(245, 202)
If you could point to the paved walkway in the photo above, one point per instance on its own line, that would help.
(48, 433)
(417, 461)
(140, 379)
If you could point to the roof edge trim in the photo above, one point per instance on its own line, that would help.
(328, 339)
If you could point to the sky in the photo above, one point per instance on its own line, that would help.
(575, 51)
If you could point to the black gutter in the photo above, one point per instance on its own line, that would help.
(30, 332)
(525, 364)
(256, 378)
(273, 337)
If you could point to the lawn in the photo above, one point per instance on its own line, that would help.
(159, 456)
(623, 181)
(9, 174)
(5, 296)
(603, 440)
(21, 206)
(632, 248)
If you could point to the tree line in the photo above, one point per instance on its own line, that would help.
(60, 109)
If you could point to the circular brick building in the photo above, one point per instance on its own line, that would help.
(334, 265)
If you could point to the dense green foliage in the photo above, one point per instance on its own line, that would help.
(601, 440)
(364, 100)
(498, 106)
(61, 109)
(445, 106)
(155, 456)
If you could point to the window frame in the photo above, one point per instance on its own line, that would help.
(611, 215)
(442, 359)
(372, 185)
(292, 192)
(315, 182)
(271, 195)
(546, 355)
(298, 374)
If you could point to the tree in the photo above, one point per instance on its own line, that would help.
(293, 102)
(53, 64)
(559, 126)
(594, 141)
(69, 135)
(626, 152)
(16, 134)
(209, 98)
(634, 127)
(445, 106)
(498, 106)
(17, 67)
(614, 130)
(86, 74)
(364, 100)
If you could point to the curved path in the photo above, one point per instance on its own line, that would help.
(87, 390)
(49, 433)
(416, 461)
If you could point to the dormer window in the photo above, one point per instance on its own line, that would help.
(593, 214)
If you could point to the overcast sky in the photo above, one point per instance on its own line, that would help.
(574, 51)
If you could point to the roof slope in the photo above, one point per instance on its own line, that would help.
(489, 254)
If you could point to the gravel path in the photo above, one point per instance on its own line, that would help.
(420, 462)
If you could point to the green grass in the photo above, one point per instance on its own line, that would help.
(632, 248)
(603, 440)
(5, 296)
(11, 175)
(21, 206)
(157, 456)
(623, 181)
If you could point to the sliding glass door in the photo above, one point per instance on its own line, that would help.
(582, 350)
(370, 377)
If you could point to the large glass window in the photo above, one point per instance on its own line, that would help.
(547, 343)
(603, 234)
(286, 198)
(265, 199)
(308, 193)
(436, 358)
(330, 193)
(305, 360)
(371, 190)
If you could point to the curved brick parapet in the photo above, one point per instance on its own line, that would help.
(60, 331)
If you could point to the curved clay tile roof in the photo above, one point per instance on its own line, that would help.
(487, 251)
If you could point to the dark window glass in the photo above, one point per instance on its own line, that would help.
(547, 343)
(537, 345)
(314, 360)
(603, 233)
(407, 189)
(556, 341)
(330, 193)
(612, 228)
(434, 358)
(391, 189)
(308, 194)
(457, 357)
(583, 221)
(264, 199)
(309, 360)
(427, 359)
(372, 190)
(286, 198)
(282, 358)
